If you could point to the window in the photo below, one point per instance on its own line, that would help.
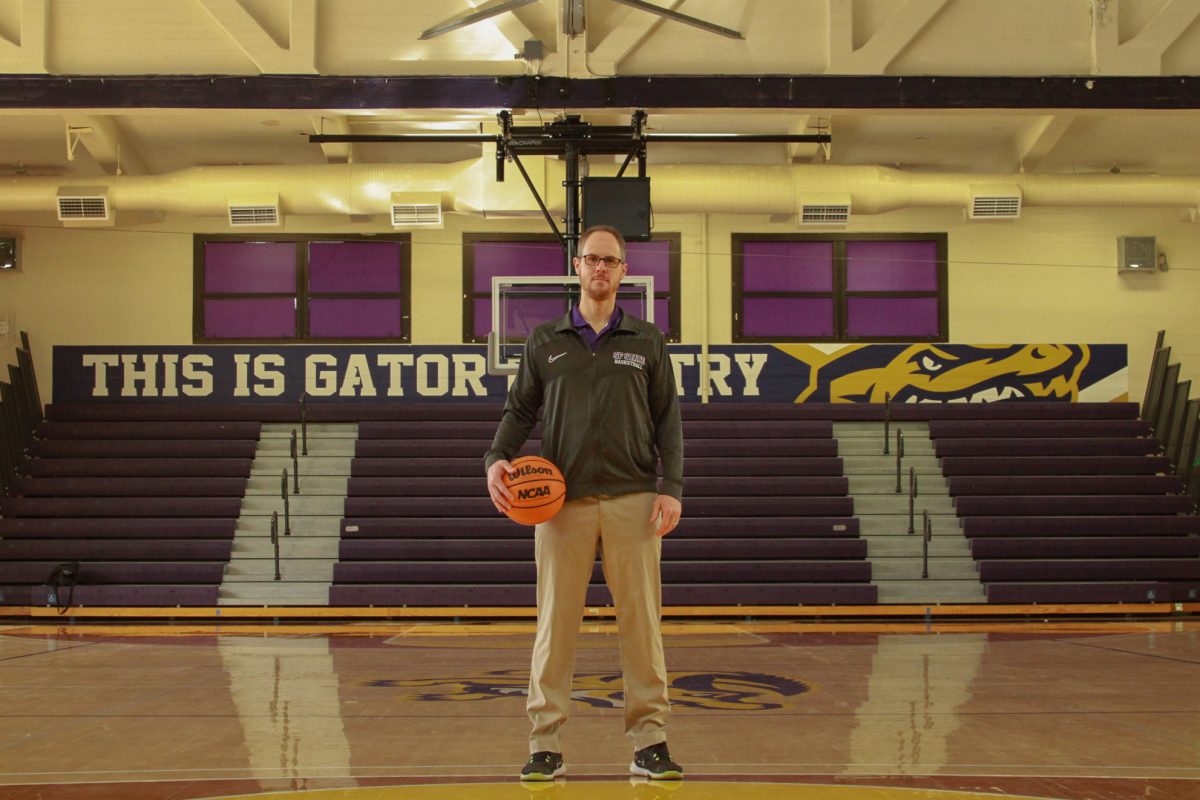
(875, 288)
(312, 289)
(524, 255)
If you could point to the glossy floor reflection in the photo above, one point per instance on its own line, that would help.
(1070, 710)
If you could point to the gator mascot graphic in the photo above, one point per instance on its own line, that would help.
(925, 373)
(717, 691)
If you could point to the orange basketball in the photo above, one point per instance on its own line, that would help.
(538, 490)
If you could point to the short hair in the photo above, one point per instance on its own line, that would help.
(609, 229)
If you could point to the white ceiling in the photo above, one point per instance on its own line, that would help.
(898, 39)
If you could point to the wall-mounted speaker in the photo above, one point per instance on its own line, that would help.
(623, 203)
(1136, 254)
(8, 254)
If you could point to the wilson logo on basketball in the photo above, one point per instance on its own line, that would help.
(527, 469)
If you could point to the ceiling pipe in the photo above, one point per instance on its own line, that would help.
(470, 187)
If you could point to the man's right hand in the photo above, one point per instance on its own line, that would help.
(500, 494)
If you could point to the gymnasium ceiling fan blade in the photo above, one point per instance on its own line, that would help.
(684, 18)
(485, 11)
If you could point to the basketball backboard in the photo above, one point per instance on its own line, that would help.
(521, 303)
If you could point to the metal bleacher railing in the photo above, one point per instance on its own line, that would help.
(1173, 417)
(20, 414)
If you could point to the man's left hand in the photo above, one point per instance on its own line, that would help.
(667, 510)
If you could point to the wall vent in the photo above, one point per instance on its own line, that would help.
(996, 207)
(416, 215)
(253, 215)
(994, 202)
(825, 214)
(82, 208)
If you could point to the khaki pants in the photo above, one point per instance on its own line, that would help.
(566, 552)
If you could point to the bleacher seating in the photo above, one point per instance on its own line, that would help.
(1073, 503)
(144, 498)
(1061, 503)
(768, 519)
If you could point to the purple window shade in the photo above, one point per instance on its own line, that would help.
(892, 316)
(265, 318)
(891, 266)
(359, 267)
(354, 317)
(787, 266)
(249, 267)
(796, 317)
(637, 308)
(662, 314)
(651, 258)
(515, 258)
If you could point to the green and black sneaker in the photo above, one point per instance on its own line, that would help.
(543, 766)
(655, 763)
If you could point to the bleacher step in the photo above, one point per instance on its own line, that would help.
(316, 430)
(929, 592)
(901, 568)
(910, 547)
(274, 593)
(311, 525)
(299, 505)
(942, 525)
(289, 547)
(292, 569)
(281, 447)
(310, 485)
(308, 554)
(328, 466)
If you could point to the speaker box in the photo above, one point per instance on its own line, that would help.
(623, 203)
(1136, 254)
(8, 253)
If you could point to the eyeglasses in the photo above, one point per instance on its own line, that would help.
(611, 262)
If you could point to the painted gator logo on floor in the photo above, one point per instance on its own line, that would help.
(717, 691)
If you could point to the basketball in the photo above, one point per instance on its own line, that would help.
(538, 490)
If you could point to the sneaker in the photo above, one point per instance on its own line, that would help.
(543, 766)
(655, 763)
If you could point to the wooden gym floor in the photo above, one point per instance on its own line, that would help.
(1102, 710)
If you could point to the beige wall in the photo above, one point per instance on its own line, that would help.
(1051, 276)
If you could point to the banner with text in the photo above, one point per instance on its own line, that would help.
(909, 373)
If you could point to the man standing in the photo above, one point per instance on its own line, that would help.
(607, 390)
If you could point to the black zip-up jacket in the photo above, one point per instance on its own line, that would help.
(609, 416)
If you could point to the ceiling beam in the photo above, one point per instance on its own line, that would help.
(625, 37)
(876, 54)
(278, 54)
(1037, 139)
(104, 142)
(336, 152)
(803, 92)
(1140, 54)
(28, 53)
